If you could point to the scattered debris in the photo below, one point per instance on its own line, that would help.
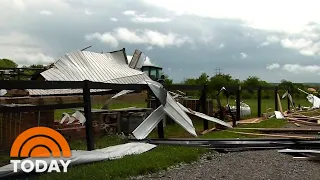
(245, 109)
(314, 100)
(284, 130)
(208, 130)
(75, 117)
(274, 135)
(279, 115)
(298, 125)
(204, 116)
(251, 121)
(3, 92)
(176, 111)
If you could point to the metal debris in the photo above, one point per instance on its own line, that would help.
(77, 116)
(83, 157)
(97, 67)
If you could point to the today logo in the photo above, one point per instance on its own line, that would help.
(40, 142)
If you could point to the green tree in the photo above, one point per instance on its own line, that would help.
(7, 63)
(221, 80)
(167, 81)
(202, 79)
(189, 81)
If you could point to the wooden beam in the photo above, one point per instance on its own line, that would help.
(284, 130)
(279, 103)
(208, 130)
(274, 135)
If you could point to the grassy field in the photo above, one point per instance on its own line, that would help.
(159, 158)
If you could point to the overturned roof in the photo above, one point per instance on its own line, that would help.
(79, 65)
(145, 60)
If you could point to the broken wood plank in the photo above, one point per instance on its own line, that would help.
(298, 125)
(303, 122)
(279, 102)
(304, 116)
(252, 120)
(274, 135)
(286, 130)
(208, 130)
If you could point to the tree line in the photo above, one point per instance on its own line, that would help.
(216, 82)
(25, 74)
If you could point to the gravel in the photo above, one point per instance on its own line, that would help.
(253, 165)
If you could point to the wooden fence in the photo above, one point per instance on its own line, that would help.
(87, 85)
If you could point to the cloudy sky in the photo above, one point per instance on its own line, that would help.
(271, 39)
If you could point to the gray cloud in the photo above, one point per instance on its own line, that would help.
(199, 43)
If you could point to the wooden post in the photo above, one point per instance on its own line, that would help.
(18, 74)
(88, 116)
(288, 100)
(259, 101)
(220, 107)
(160, 125)
(204, 107)
(276, 105)
(238, 99)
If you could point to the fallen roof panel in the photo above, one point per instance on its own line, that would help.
(97, 67)
(83, 157)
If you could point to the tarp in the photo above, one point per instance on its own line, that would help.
(314, 100)
(245, 109)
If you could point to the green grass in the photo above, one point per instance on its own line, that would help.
(152, 161)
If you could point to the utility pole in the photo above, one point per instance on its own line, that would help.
(218, 71)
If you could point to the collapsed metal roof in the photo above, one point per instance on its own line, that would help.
(79, 65)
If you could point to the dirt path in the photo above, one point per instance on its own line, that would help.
(253, 165)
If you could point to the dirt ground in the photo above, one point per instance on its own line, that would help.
(248, 165)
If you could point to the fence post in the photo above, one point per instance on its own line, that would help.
(18, 74)
(160, 125)
(238, 99)
(259, 101)
(276, 105)
(204, 107)
(220, 107)
(288, 99)
(88, 115)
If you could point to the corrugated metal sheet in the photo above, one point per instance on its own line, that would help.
(39, 92)
(85, 65)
